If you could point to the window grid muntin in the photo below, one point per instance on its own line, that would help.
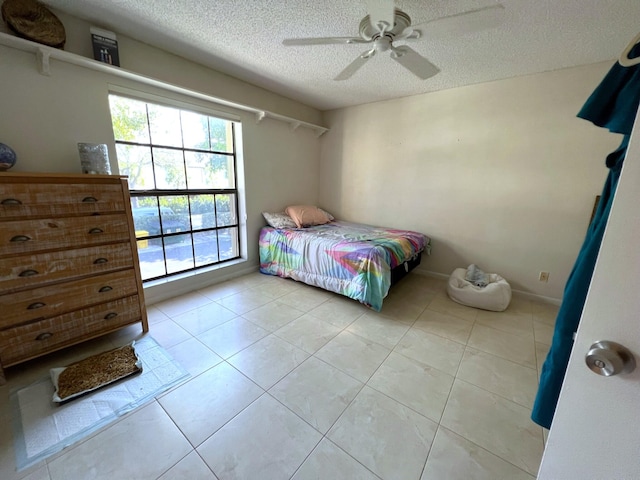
(159, 193)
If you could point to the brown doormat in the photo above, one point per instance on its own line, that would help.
(94, 372)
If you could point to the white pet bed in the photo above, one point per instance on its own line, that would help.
(495, 296)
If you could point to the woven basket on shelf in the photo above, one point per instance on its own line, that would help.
(30, 19)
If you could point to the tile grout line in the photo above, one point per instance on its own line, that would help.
(455, 377)
(485, 449)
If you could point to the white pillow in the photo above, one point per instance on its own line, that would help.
(279, 220)
(329, 216)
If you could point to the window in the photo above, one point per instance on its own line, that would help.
(181, 166)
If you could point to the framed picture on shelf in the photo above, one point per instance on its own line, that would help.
(105, 46)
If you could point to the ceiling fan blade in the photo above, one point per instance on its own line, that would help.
(290, 42)
(414, 62)
(354, 66)
(381, 11)
(465, 22)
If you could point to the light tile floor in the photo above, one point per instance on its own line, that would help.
(289, 381)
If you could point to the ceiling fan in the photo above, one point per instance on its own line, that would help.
(385, 25)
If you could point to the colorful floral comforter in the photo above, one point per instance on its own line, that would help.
(347, 258)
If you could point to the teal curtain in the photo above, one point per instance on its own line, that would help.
(613, 105)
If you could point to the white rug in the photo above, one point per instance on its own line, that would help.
(42, 427)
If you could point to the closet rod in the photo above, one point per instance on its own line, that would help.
(44, 54)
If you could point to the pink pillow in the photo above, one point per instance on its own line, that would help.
(307, 215)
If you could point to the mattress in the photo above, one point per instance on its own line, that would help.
(351, 259)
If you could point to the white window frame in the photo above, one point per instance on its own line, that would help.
(206, 108)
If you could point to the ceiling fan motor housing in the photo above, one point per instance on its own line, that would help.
(400, 23)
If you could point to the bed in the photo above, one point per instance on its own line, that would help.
(355, 260)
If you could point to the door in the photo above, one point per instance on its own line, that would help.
(596, 429)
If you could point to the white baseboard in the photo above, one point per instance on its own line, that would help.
(429, 273)
(175, 287)
(537, 298)
(519, 293)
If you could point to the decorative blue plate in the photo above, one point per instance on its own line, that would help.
(7, 157)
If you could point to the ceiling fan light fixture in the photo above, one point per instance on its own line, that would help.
(382, 44)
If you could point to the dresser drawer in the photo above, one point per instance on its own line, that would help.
(29, 271)
(46, 302)
(52, 199)
(28, 341)
(26, 236)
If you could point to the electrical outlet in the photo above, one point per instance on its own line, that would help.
(544, 277)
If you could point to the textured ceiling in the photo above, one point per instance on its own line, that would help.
(244, 39)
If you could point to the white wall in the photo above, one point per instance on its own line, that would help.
(43, 118)
(500, 174)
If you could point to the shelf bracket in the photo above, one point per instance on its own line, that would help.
(320, 132)
(295, 126)
(43, 61)
(260, 116)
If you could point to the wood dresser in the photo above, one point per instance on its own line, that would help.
(69, 267)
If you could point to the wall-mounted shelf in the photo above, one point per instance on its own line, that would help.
(44, 54)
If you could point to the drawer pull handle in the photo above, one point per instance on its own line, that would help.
(44, 336)
(100, 260)
(11, 201)
(89, 200)
(28, 273)
(111, 315)
(36, 305)
(20, 238)
(106, 288)
(96, 230)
